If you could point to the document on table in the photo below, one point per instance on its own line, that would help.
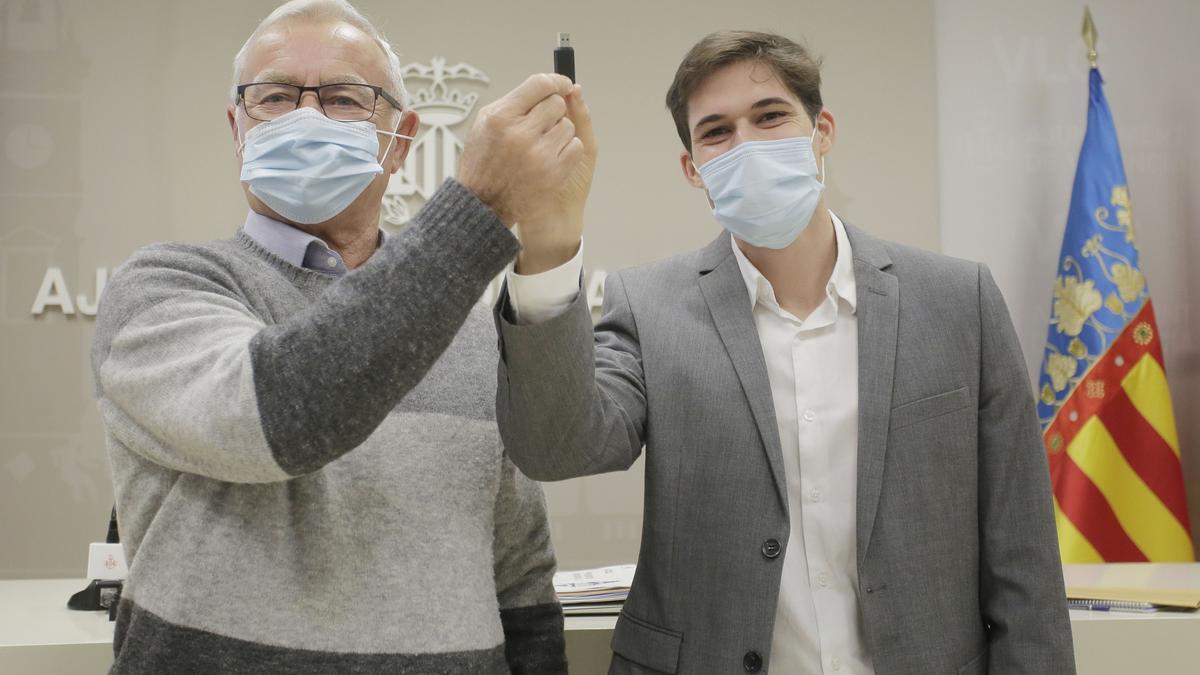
(594, 591)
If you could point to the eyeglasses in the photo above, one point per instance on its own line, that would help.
(349, 102)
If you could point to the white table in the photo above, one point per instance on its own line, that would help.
(38, 634)
(1123, 643)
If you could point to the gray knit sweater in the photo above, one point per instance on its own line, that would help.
(308, 472)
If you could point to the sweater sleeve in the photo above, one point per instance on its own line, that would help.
(524, 567)
(190, 377)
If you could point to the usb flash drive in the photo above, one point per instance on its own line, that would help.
(564, 56)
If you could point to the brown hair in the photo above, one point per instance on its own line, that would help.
(792, 63)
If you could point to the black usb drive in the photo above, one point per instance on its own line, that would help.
(564, 56)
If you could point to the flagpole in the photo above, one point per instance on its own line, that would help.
(1089, 36)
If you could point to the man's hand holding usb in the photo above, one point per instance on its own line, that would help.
(552, 237)
(521, 148)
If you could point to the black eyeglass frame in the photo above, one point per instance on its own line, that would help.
(379, 93)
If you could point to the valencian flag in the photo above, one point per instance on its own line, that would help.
(1103, 400)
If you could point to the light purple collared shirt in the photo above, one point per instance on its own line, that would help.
(295, 245)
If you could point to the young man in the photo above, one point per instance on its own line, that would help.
(300, 422)
(843, 466)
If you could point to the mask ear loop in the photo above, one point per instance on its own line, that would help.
(695, 168)
(393, 138)
(814, 151)
(241, 141)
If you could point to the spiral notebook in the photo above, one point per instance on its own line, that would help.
(1111, 605)
(1134, 586)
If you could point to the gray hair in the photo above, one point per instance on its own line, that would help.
(336, 10)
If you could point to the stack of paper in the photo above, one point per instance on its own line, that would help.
(596, 591)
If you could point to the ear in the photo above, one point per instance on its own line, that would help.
(689, 170)
(409, 122)
(826, 132)
(231, 115)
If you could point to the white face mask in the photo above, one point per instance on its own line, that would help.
(309, 168)
(765, 192)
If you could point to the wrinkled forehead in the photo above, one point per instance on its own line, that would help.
(735, 88)
(315, 52)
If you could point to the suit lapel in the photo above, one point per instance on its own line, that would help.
(725, 292)
(878, 314)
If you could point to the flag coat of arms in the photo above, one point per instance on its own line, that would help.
(1103, 401)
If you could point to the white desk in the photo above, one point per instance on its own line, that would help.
(38, 634)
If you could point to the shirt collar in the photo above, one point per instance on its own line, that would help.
(841, 282)
(294, 245)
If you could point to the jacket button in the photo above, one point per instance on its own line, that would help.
(752, 662)
(771, 548)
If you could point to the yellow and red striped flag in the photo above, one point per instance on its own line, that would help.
(1104, 405)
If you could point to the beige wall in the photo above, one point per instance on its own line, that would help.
(1012, 105)
(112, 122)
(115, 136)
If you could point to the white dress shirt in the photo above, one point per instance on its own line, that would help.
(535, 298)
(813, 369)
(812, 366)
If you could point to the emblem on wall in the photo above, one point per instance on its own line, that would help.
(444, 97)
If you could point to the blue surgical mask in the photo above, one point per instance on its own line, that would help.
(309, 168)
(765, 192)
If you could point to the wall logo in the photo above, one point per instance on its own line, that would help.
(434, 155)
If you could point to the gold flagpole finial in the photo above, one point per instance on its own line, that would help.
(1089, 35)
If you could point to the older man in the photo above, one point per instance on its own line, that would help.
(299, 418)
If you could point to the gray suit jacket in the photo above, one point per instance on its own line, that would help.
(957, 555)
